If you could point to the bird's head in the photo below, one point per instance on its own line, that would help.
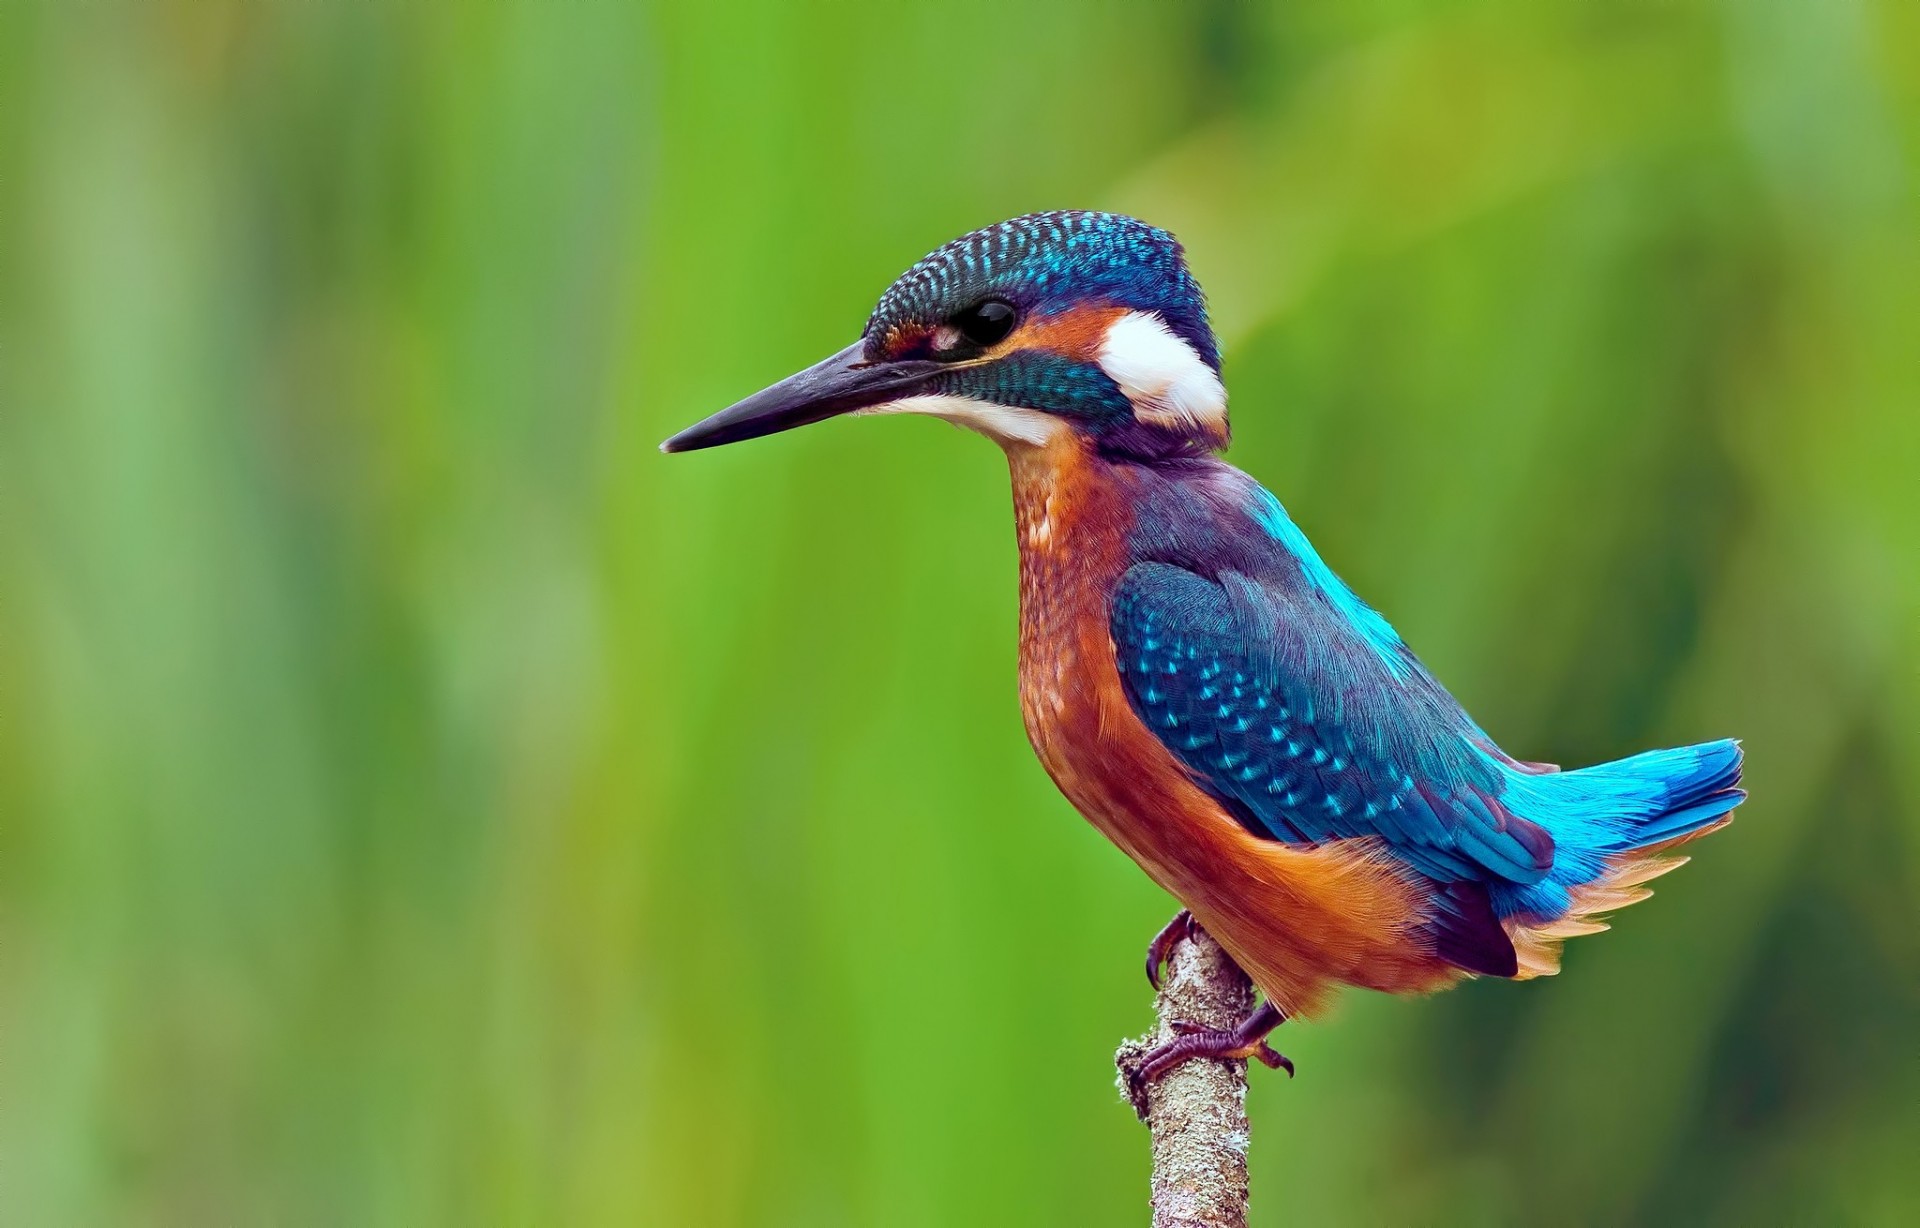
(1054, 322)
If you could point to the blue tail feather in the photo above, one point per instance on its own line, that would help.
(1597, 812)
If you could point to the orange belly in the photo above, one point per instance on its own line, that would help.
(1298, 920)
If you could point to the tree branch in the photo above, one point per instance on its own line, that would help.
(1196, 1112)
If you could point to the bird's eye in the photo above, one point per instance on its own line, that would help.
(986, 323)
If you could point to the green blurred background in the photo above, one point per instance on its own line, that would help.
(425, 803)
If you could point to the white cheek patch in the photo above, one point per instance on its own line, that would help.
(1004, 424)
(1167, 381)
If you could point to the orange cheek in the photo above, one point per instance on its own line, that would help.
(1078, 333)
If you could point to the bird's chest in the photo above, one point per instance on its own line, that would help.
(1072, 534)
(1061, 646)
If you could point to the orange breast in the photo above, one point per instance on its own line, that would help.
(1298, 920)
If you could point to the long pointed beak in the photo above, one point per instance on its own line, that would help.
(835, 385)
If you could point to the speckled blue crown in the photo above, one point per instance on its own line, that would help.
(1049, 262)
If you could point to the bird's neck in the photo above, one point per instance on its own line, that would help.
(1073, 514)
(1069, 502)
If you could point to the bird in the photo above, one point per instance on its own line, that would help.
(1198, 682)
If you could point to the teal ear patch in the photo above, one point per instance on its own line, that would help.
(1052, 383)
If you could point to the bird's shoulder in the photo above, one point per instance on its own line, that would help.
(1217, 523)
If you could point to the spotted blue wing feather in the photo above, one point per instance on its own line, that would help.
(1305, 733)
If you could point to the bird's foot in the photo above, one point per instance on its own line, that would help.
(1247, 1041)
(1196, 1040)
(1192, 1040)
(1160, 950)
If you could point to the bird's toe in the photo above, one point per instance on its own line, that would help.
(1160, 950)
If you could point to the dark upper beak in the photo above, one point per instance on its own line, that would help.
(837, 385)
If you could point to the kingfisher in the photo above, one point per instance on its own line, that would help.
(1198, 682)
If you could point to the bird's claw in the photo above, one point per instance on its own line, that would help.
(1160, 950)
(1273, 1059)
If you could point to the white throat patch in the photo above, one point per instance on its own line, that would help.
(1167, 381)
(1004, 424)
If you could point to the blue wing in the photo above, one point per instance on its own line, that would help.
(1308, 731)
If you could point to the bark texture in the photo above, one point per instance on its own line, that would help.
(1197, 1112)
